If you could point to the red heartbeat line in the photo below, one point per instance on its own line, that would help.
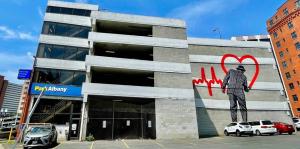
(214, 80)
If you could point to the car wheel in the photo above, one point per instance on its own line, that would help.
(251, 134)
(257, 132)
(272, 134)
(238, 133)
(290, 133)
(226, 133)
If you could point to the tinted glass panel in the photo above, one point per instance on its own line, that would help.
(266, 122)
(59, 77)
(70, 11)
(65, 30)
(244, 124)
(62, 52)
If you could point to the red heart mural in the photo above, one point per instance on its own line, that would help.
(255, 75)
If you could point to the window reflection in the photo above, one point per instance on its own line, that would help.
(59, 77)
(62, 52)
(66, 30)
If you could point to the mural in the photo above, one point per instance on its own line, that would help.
(215, 80)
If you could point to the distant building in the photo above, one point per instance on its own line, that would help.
(24, 95)
(283, 27)
(12, 98)
(3, 86)
(259, 38)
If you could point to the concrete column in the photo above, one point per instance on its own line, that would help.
(84, 119)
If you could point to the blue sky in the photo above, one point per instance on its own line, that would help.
(21, 22)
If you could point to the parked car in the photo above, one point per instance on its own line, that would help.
(40, 136)
(297, 123)
(238, 129)
(263, 127)
(284, 128)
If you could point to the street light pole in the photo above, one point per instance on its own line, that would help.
(219, 32)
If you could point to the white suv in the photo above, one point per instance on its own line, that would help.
(297, 123)
(263, 127)
(238, 129)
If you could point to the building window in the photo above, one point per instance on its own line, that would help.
(297, 45)
(68, 30)
(278, 44)
(295, 97)
(290, 25)
(294, 35)
(281, 53)
(294, 71)
(287, 50)
(284, 64)
(62, 77)
(298, 55)
(288, 75)
(291, 85)
(70, 11)
(62, 52)
(298, 82)
(298, 109)
(298, 3)
(285, 11)
(271, 22)
(275, 35)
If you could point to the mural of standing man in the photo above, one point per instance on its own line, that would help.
(236, 83)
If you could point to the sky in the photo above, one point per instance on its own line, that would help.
(21, 22)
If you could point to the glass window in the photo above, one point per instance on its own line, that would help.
(62, 52)
(69, 11)
(66, 11)
(298, 3)
(297, 45)
(69, 30)
(266, 122)
(79, 77)
(285, 11)
(284, 64)
(291, 85)
(295, 97)
(290, 25)
(275, 34)
(294, 35)
(288, 75)
(278, 44)
(298, 109)
(63, 77)
(287, 50)
(271, 22)
(281, 54)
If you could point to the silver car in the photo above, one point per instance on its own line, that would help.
(40, 136)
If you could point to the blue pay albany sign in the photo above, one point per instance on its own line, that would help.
(55, 90)
(24, 74)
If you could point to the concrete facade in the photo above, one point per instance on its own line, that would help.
(158, 51)
(266, 100)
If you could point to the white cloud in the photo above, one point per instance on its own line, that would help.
(7, 33)
(40, 11)
(81, 1)
(11, 63)
(195, 10)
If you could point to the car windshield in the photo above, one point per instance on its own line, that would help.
(244, 123)
(39, 129)
(266, 122)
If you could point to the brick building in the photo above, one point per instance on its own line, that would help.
(284, 30)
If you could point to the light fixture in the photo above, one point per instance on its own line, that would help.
(108, 51)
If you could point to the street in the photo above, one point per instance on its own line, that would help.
(230, 142)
